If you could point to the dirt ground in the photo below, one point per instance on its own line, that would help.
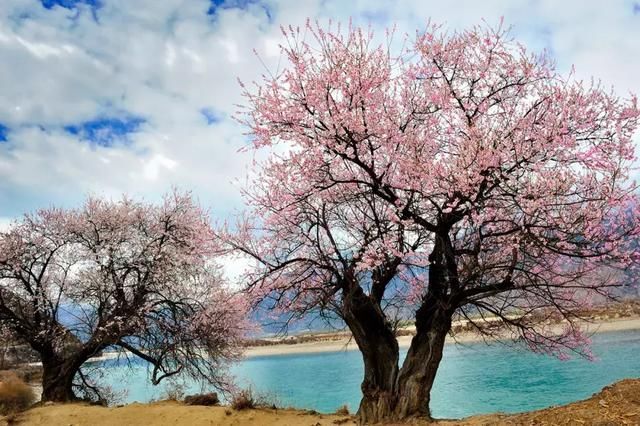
(618, 404)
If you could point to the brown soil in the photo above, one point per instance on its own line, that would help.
(170, 413)
(618, 404)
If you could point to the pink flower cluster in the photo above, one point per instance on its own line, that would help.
(462, 141)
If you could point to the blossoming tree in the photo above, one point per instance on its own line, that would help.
(460, 178)
(125, 275)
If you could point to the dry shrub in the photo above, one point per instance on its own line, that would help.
(343, 411)
(29, 373)
(206, 399)
(15, 395)
(248, 398)
(173, 392)
(243, 400)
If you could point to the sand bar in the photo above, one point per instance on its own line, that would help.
(346, 344)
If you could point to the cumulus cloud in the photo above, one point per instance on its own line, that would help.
(118, 96)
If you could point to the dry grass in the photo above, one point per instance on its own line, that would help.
(170, 413)
(15, 395)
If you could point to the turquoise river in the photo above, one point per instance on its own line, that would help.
(473, 378)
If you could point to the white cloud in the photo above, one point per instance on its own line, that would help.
(154, 166)
(166, 61)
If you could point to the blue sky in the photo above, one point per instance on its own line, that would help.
(114, 96)
(106, 131)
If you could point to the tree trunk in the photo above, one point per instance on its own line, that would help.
(379, 347)
(390, 394)
(379, 383)
(57, 379)
(421, 364)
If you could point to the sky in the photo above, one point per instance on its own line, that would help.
(108, 97)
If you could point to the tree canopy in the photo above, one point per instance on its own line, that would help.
(120, 274)
(453, 173)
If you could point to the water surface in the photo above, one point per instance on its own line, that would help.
(472, 379)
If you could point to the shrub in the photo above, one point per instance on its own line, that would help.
(15, 395)
(173, 392)
(243, 400)
(248, 398)
(342, 411)
(206, 399)
(29, 373)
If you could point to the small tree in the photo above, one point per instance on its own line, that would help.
(125, 275)
(461, 178)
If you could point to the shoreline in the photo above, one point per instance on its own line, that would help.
(348, 344)
(616, 403)
(341, 341)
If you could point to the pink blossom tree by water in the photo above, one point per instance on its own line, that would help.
(125, 275)
(461, 178)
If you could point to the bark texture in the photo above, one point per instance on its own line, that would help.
(391, 393)
(57, 379)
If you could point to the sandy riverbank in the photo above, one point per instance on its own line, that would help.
(339, 342)
(618, 404)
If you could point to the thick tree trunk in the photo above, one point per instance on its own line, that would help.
(57, 379)
(379, 384)
(389, 393)
(379, 347)
(421, 365)
(393, 394)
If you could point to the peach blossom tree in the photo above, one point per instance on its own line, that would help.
(458, 177)
(124, 275)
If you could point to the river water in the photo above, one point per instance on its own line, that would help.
(472, 379)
